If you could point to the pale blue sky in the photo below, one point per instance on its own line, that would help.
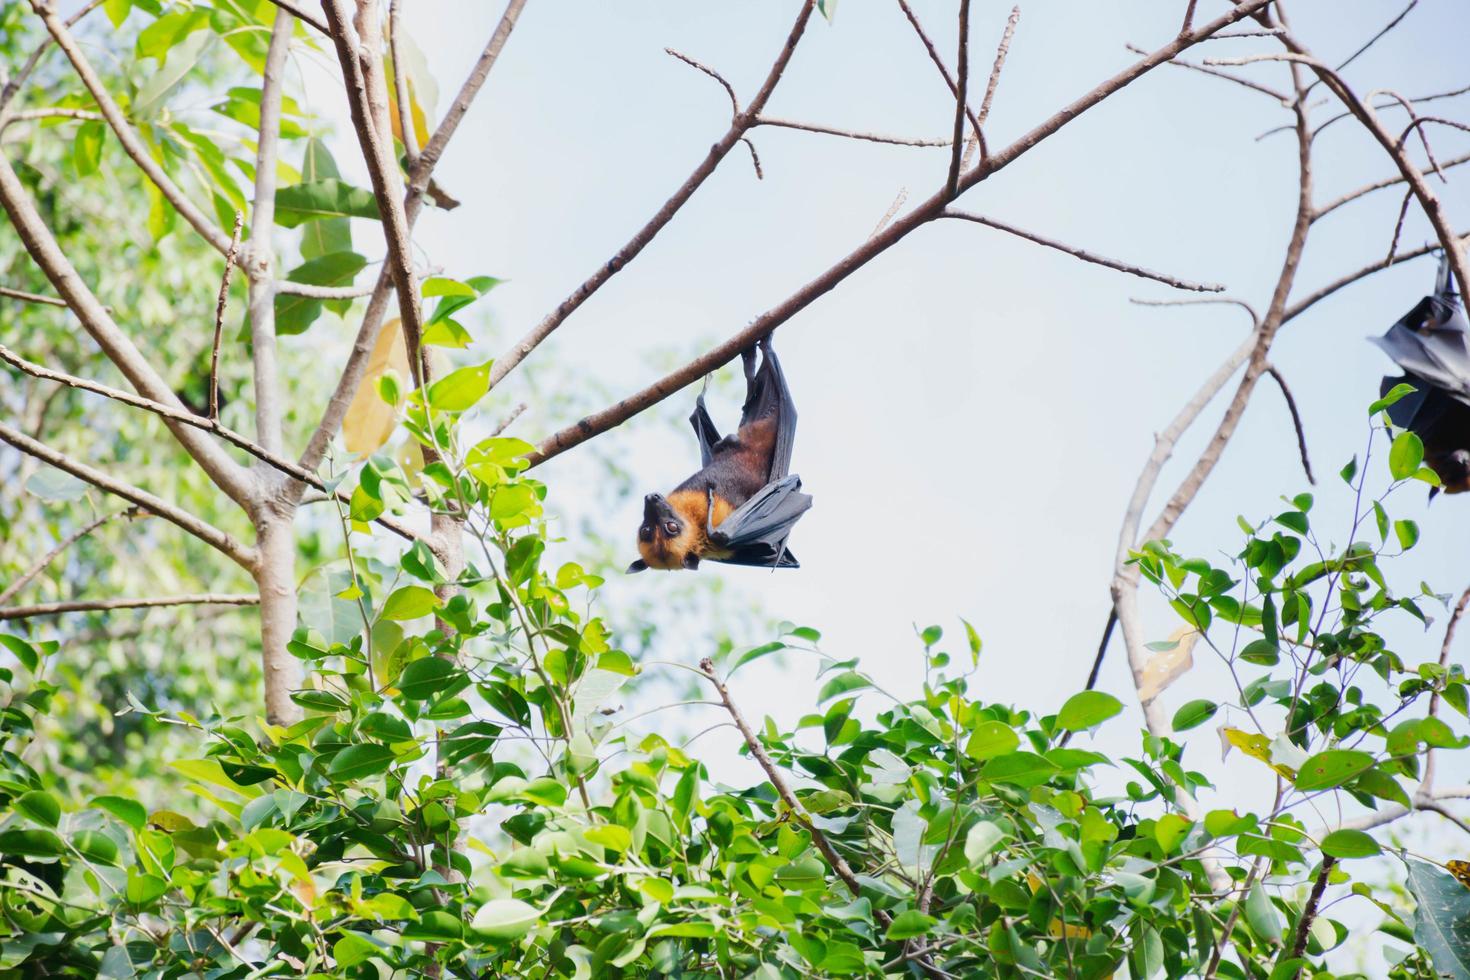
(974, 408)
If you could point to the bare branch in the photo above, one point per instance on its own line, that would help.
(40, 566)
(849, 133)
(954, 88)
(1309, 911)
(1351, 196)
(400, 88)
(1296, 420)
(187, 417)
(1372, 40)
(902, 196)
(698, 66)
(1188, 17)
(1435, 97)
(219, 316)
(129, 139)
(1398, 228)
(204, 531)
(1302, 305)
(962, 68)
(742, 122)
(1200, 301)
(286, 287)
(1449, 639)
(1083, 254)
(119, 348)
(1217, 73)
(418, 183)
(296, 11)
(895, 232)
(26, 297)
(55, 112)
(260, 256)
(103, 605)
(1000, 62)
(510, 417)
(13, 85)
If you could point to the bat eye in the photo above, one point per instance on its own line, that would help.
(671, 527)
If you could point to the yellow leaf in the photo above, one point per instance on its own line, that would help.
(1253, 745)
(370, 420)
(422, 91)
(1167, 666)
(1461, 871)
(1066, 930)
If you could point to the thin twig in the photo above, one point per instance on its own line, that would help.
(850, 133)
(1084, 254)
(1188, 17)
(26, 297)
(1371, 41)
(13, 85)
(227, 544)
(1379, 185)
(219, 316)
(400, 87)
(903, 195)
(1296, 420)
(103, 605)
(1001, 51)
(1398, 227)
(1217, 73)
(1302, 305)
(1102, 649)
(954, 88)
(729, 89)
(1444, 648)
(50, 556)
(505, 423)
(296, 11)
(962, 69)
(755, 158)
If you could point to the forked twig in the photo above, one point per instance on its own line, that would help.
(219, 316)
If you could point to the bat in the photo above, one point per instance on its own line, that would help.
(1431, 343)
(739, 508)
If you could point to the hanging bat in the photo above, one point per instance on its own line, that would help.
(740, 507)
(1432, 344)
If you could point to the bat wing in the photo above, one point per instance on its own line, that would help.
(769, 394)
(704, 431)
(1432, 340)
(1414, 409)
(756, 531)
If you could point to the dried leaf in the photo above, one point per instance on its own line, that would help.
(1167, 666)
(370, 420)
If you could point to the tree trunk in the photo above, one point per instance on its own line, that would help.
(276, 578)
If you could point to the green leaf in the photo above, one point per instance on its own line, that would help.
(95, 846)
(1263, 917)
(295, 313)
(990, 739)
(505, 918)
(1193, 714)
(1405, 455)
(459, 390)
(55, 485)
(1261, 652)
(29, 658)
(86, 148)
(409, 602)
(1442, 919)
(1020, 768)
(328, 197)
(128, 811)
(1350, 844)
(1407, 532)
(610, 836)
(360, 762)
(1333, 767)
(31, 843)
(325, 235)
(907, 925)
(1395, 393)
(424, 678)
(1087, 710)
(352, 950)
(40, 806)
(846, 681)
(981, 840)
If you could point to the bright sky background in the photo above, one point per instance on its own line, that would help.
(974, 408)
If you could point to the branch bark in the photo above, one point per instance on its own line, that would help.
(928, 210)
(105, 605)
(242, 555)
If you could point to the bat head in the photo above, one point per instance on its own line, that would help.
(670, 537)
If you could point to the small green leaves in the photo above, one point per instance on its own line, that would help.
(908, 925)
(1405, 455)
(325, 198)
(359, 762)
(459, 390)
(1263, 917)
(990, 739)
(40, 806)
(504, 919)
(1193, 714)
(981, 839)
(1349, 844)
(1395, 394)
(128, 811)
(1087, 710)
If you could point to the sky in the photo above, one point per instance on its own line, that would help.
(974, 409)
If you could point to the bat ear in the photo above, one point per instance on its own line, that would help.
(691, 561)
(638, 566)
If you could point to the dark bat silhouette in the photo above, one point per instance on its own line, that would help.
(1432, 344)
(740, 507)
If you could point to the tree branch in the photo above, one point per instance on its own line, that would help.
(103, 605)
(219, 317)
(129, 139)
(372, 321)
(739, 125)
(302, 15)
(1083, 253)
(40, 566)
(954, 88)
(26, 297)
(1309, 911)
(878, 243)
(400, 88)
(228, 475)
(186, 417)
(962, 68)
(242, 555)
(1254, 86)
(1379, 185)
(849, 133)
(11, 87)
(1311, 299)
